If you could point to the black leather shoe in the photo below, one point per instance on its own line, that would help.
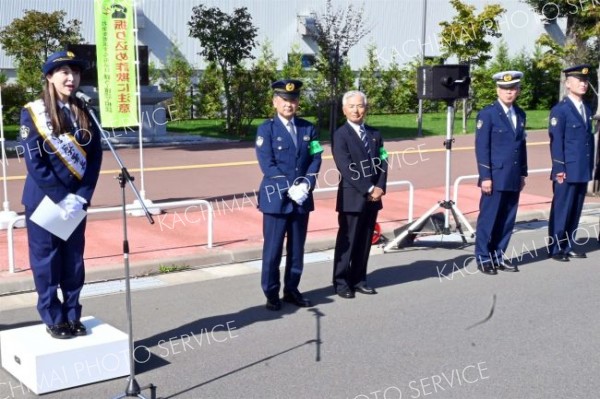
(560, 257)
(365, 289)
(346, 293)
(77, 328)
(573, 254)
(507, 267)
(487, 270)
(59, 331)
(297, 299)
(273, 304)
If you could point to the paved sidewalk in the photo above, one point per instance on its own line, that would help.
(179, 236)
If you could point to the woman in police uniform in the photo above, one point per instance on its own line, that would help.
(63, 157)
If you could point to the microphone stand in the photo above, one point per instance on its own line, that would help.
(133, 388)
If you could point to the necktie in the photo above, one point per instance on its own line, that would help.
(512, 118)
(582, 112)
(67, 113)
(363, 137)
(292, 131)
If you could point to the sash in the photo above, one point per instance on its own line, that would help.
(64, 146)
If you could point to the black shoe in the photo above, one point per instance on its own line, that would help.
(77, 328)
(345, 293)
(297, 299)
(573, 254)
(365, 289)
(561, 257)
(506, 267)
(273, 304)
(487, 270)
(59, 331)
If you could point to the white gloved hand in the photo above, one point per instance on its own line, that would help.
(293, 192)
(303, 187)
(70, 205)
(298, 193)
(300, 200)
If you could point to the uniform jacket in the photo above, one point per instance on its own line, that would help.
(283, 164)
(46, 172)
(500, 150)
(571, 142)
(358, 172)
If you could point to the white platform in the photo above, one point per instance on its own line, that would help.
(45, 364)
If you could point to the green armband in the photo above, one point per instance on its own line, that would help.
(314, 147)
(383, 153)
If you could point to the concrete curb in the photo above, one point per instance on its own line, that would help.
(218, 256)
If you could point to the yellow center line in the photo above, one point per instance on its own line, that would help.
(246, 163)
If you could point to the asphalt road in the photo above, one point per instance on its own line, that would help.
(428, 332)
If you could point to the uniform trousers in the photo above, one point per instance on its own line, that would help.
(56, 263)
(496, 220)
(565, 212)
(352, 247)
(276, 227)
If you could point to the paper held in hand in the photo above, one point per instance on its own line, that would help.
(48, 215)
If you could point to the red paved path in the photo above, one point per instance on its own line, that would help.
(227, 175)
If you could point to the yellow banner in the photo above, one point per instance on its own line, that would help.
(115, 59)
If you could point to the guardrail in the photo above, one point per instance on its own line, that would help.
(178, 204)
(467, 177)
(411, 194)
(128, 208)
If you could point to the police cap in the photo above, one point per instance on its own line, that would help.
(61, 58)
(287, 88)
(578, 71)
(507, 79)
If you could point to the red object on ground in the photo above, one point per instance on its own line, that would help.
(376, 234)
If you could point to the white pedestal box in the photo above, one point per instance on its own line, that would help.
(45, 364)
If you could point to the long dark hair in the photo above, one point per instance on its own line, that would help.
(57, 118)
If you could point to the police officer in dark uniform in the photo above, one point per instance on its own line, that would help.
(502, 165)
(289, 155)
(572, 152)
(63, 155)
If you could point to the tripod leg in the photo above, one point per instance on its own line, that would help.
(458, 225)
(463, 220)
(413, 226)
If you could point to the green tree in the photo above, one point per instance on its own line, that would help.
(581, 36)
(226, 40)
(370, 81)
(210, 90)
(336, 31)
(293, 69)
(466, 37)
(13, 99)
(32, 38)
(177, 78)
(543, 78)
(264, 72)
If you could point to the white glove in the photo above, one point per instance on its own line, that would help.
(298, 193)
(303, 187)
(301, 199)
(70, 205)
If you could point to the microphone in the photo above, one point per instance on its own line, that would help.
(83, 97)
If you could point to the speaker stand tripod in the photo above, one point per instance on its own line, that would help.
(447, 204)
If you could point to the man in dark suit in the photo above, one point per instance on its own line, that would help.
(502, 166)
(362, 163)
(572, 152)
(289, 155)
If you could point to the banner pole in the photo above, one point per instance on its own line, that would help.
(139, 100)
(6, 215)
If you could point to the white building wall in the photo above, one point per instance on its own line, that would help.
(395, 25)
